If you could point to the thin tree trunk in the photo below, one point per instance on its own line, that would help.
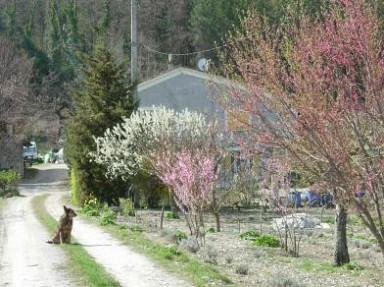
(217, 218)
(341, 255)
(162, 214)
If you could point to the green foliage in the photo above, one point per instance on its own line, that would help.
(180, 235)
(92, 207)
(101, 99)
(311, 266)
(74, 189)
(210, 230)
(127, 207)
(8, 180)
(136, 229)
(108, 217)
(151, 189)
(354, 220)
(171, 214)
(267, 240)
(353, 266)
(250, 235)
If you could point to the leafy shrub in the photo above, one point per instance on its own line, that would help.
(210, 230)
(127, 207)
(137, 229)
(180, 235)
(250, 235)
(108, 216)
(74, 188)
(242, 269)
(171, 252)
(8, 179)
(171, 214)
(267, 240)
(92, 207)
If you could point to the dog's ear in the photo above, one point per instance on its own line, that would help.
(65, 208)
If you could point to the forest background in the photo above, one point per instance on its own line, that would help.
(50, 36)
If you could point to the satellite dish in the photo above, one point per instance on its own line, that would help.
(203, 65)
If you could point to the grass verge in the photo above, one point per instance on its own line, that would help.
(170, 258)
(316, 267)
(85, 269)
(2, 201)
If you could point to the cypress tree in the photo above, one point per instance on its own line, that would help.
(101, 99)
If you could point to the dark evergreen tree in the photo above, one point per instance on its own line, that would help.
(101, 99)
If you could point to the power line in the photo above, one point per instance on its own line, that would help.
(181, 54)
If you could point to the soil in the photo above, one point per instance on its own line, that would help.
(26, 260)
(272, 267)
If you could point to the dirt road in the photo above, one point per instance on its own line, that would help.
(26, 260)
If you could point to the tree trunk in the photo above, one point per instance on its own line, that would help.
(162, 214)
(217, 218)
(341, 255)
(215, 210)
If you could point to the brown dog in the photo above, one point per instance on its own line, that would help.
(63, 234)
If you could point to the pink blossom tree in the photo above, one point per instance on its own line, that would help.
(190, 175)
(315, 95)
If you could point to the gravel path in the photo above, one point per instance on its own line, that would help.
(26, 260)
(128, 267)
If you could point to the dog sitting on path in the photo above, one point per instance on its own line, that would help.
(63, 234)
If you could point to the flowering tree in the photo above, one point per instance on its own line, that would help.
(180, 148)
(130, 147)
(191, 175)
(316, 91)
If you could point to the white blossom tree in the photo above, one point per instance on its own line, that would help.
(153, 141)
(132, 146)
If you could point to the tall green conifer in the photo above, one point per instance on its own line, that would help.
(101, 99)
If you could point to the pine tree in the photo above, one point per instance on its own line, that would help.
(101, 100)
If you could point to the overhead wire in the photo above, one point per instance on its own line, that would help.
(182, 54)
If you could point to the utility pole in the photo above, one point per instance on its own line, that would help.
(134, 45)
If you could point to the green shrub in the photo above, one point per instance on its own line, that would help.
(137, 229)
(210, 230)
(171, 214)
(250, 235)
(92, 207)
(267, 240)
(127, 207)
(74, 189)
(181, 235)
(108, 217)
(8, 180)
